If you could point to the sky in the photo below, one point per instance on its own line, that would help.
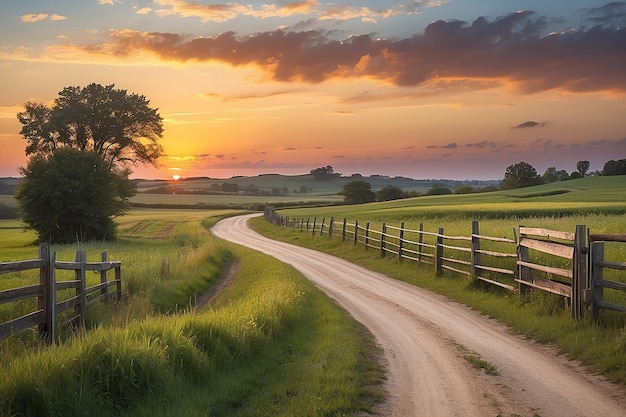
(455, 89)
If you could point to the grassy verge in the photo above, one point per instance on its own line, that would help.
(271, 344)
(539, 316)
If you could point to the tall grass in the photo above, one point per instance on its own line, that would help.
(271, 344)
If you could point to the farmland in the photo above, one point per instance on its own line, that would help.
(230, 358)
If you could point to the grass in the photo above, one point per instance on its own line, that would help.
(540, 316)
(271, 344)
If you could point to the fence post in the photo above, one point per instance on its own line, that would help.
(81, 276)
(48, 301)
(314, 221)
(103, 277)
(330, 227)
(401, 240)
(382, 240)
(596, 277)
(356, 230)
(322, 226)
(367, 234)
(343, 231)
(523, 271)
(578, 274)
(439, 252)
(118, 279)
(420, 243)
(475, 251)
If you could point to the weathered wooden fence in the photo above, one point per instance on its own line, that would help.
(566, 267)
(46, 291)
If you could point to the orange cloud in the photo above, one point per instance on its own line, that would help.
(37, 17)
(512, 51)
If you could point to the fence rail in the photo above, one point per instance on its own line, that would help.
(46, 291)
(579, 276)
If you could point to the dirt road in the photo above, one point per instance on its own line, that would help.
(426, 337)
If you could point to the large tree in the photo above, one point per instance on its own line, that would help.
(520, 175)
(72, 196)
(81, 149)
(119, 127)
(357, 192)
(582, 167)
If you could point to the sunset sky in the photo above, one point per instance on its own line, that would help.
(456, 89)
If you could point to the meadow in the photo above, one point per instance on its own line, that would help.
(598, 203)
(270, 341)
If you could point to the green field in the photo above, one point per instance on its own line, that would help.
(270, 341)
(155, 354)
(599, 203)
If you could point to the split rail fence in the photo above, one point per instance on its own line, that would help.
(47, 309)
(568, 264)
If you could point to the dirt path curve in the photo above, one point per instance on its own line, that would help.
(425, 338)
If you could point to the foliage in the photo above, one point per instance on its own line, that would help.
(322, 173)
(520, 175)
(358, 192)
(582, 167)
(388, 193)
(613, 167)
(552, 175)
(439, 191)
(71, 196)
(119, 127)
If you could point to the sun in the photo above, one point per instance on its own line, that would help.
(175, 177)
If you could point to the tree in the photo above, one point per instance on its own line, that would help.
(98, 132)
(388, 193)
(357, 192)
(520, 175)
(119, 127)
(71, 196)
(582, 167)
(614, 167)
(322, 173)
(550, 175)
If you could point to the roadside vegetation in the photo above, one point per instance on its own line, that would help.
(598, 202)
(271, 341)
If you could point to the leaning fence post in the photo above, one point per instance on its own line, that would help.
(322, 226)
(475, 250)
(439, 252)
(343, 230)
(330, 227)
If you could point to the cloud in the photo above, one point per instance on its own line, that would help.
(529, 123)
(326, 11)
(38, 17)
(612, 14)
(144, 10)
(452, 145)
(482, 144)
(512, 51)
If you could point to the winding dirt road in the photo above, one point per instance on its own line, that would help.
(425, 338)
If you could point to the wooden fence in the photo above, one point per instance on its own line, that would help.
(498, 261)
(47, 306)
